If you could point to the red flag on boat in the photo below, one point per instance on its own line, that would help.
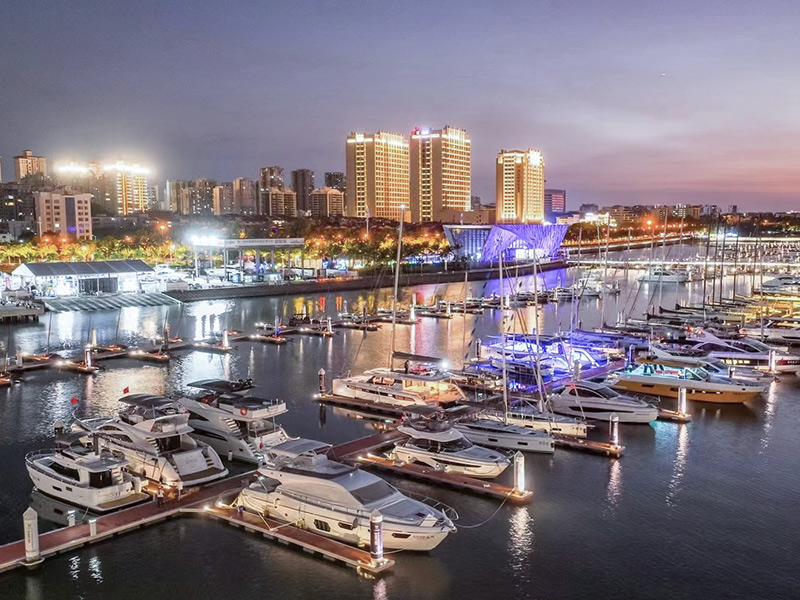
(126, 390)
(74, 400)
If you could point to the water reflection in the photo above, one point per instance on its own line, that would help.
(521, 543)
(769, 414)
(679, 466)
(379, 590)
(614, 488)
(95, 569)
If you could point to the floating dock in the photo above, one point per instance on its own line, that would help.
(201, 502)
(609, 449)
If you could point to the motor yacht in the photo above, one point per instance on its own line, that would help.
(745, 352)
(438, 444)
(412, 386)
(598, 401)
(153, 434)
(228, 419)
(300, 484)
(664, 276)
(530, 417)
(664, 378)
(714, 366)
(774, 333)
(84, 476)
(495, 433)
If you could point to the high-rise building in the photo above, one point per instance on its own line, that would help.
(733, 209)
(130, 185)
(174, 192)
(270, 177)
(327, 202)
(377, 175)
(278, 202)
(303, 185)
(28, 164)
(440, 177)
(475, 203)
(244, 196)
(520, 186)
(64, 214)
(555, 202)
(201, 197)
(223, 199)
(335, 179)
(16, 203)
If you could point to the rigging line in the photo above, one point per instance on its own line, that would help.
(502, 504)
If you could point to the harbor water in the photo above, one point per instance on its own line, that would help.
(706, 509)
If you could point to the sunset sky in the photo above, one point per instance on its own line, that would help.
(631, 101)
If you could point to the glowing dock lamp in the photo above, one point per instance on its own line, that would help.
(614, 429)
(772, 361)
(576, 369)
(448, 310)
(519, 472)
(92, 527)
(87, 356)
(682, 400)
(376, 537)
(412, 312)
(330, 325)
(321, 381)
(225, 339)
(631, 355)
(94, 338)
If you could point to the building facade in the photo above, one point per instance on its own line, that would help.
(68, 215)
(130, 185)
(327, 202)
(555, 202)
(223, 199)
(303, 185)
(377, 175)
(336, 180)
(440, 173)
(244, 196)
(270, 177)
(278, 202)
(520, 186)
(28, 164)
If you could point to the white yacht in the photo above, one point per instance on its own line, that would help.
(664, 276)
(497, 434)
(226, 418)
(438, 444)
(774, 333)
(84, 476)
(530, 417)
(597, 401)
(713, 366)
(400, 387)
(299, 484)
(746, 352)
(153, 433)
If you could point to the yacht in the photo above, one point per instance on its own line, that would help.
(664, 276)
(664, 378)
(399, 388)
(714, 366)
(745, 352)
(228, 419)
(84, 476)
(531, 417)
(436, 443)
(495, 433)
(774, 333)
(300, 484)
(153, 434)
(598, 401)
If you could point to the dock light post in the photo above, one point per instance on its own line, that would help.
(330, 325)
(614, 429)
(322, 386)
(682, 400)
(576, 369)
(277, 324)
(30, 521)
(447, 309)
(71, 518)
(376, 537)
(225, 339)
(20, 357)
(87, 356)
(94, 338)
(412, 312)
(92, 527)
(772, 361)
(478, 348)
(631, 354)
(519, 471)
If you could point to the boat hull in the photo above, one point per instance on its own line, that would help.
(524, 443)
(479, 470)
(670, 390)
(103, 500)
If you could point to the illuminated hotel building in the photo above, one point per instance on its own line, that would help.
(441, 163)
(377, 175)
(28, 164)
(520, 186)
(131, 187)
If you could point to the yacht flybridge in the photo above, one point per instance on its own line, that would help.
(664, 378)
(153, 434)
(84, 476)
(598, 401)
(399, 388)
(300, 484)
(436, 443)
(228, 419)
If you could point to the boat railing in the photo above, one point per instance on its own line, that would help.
(30, 460)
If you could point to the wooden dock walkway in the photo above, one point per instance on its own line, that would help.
(604, 448)
(198, 501)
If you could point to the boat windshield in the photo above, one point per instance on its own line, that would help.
(456, 445)
(373, 492)
(606, 392)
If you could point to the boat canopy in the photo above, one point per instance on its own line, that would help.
(147, 401)
(223, 386)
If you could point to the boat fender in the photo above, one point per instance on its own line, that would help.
(243, 411)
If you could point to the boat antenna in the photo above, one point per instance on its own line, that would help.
(396, 282)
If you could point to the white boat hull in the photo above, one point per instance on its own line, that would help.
(480, 470)
(524, 443)
(97, 500)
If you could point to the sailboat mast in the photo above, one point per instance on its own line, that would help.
(396, 283)
(503, 339)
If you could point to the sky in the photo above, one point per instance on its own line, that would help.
(630, 101)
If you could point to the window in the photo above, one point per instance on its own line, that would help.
(372, 492)
(65, 471)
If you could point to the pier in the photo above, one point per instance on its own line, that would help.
(20, 312)
(198, 502)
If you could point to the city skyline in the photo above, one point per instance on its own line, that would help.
(704, 110)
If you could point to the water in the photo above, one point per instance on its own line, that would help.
(704, 509)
